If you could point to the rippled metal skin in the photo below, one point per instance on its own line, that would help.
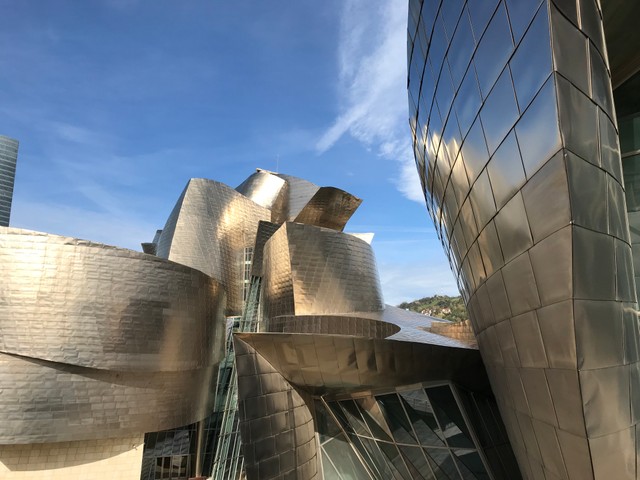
(279, 375)
(329, 363)
(330, 207)
(99, 342)
(327, 331)
(264, 188)
(311, 270)
(275, 422)
(8, 158)
(208, 230)
(516, 146)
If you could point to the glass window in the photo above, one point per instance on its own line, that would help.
(442, 463)
(422, 418)
(449, 416)
(396, 418)
(344, 459)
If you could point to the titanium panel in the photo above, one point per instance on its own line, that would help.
(101, 342)
(330, 207)
(209, 229)
(312, 270)
(264, 188)
(87, 304)
(561, 254)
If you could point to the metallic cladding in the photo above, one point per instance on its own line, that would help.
(311, 270)
(515, 143)
(275, 422)
(264, 188)
(100, 342)
(8, 159)
(209, 229)
(329, 208)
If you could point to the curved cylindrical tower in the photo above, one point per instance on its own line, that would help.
(516, 145)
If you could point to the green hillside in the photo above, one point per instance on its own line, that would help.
(441, 306)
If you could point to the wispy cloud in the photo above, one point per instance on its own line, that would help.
(372, 86)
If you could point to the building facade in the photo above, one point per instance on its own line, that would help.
(251, 341)
(518, 111)
(8, 159)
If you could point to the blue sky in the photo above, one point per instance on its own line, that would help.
(117, 103)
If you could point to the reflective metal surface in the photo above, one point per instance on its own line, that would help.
(311, 270)
(100, 342)
(543, 256)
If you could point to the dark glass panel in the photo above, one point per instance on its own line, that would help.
(422, 418)
(325, 424)
(391, 452)
(442, 463)
(354, 417)
(339, 413)
(396, 418)
(376, 460)
(470, 465)
(449, 417)
(374, 418)
(344, 459)
(416, 462)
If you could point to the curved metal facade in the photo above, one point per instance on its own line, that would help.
(100, 342)
(516, 145)
(311, 270)
(209, 229)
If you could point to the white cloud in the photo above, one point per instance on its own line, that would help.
(372, 86)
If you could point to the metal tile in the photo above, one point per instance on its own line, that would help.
(613, 456)
(578, 120)
(599, 333)
(550, 449)
(482, 200)
(564, 386)
(531, 65)
(474, 151)
(521, 285)
(490, 249)
(576, 455)
(538, 396)
(498, 296)
(551, 262)
(493, 50)
(538, 131)
(500, 111)
(506, 171)
(605, 396)
(570, 52)
(529, 340)
(513, 228)
(546, 199)
(593, 252)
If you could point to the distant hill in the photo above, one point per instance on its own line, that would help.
(440, 306)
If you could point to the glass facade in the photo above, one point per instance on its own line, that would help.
(8, 159)
(416, 433)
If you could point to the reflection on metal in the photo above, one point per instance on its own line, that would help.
(209, 229)
(311, 270)
(101, 342)
(515, 142)
(8, 158)
(330, 208)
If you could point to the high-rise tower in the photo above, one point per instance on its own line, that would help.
(8, 158)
